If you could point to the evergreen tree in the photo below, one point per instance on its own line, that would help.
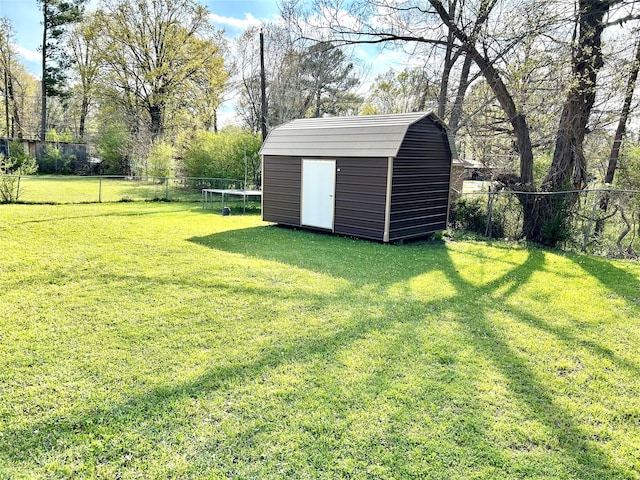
(57, 15)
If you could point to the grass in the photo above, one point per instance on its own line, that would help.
(158, 340)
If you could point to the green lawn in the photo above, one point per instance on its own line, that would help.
(158, 340)
(79, 189)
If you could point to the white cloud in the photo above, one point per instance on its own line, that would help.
(27, 54)
(240, 23)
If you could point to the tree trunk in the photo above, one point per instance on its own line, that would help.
(16, 111)
(544, 215)
(491, 75)
(546, 220)
(456, 111)
(446, 73)
(624, 115)
(568, 168)
(317, 109)
(264, 108)
(6, 99)
(157, 121)
(84, 112)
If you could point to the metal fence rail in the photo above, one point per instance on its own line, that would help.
(107, 188)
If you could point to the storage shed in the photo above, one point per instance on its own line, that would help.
(380, 177)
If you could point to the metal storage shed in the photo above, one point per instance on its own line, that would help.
(380, 177)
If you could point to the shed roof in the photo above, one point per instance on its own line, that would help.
(362, 136)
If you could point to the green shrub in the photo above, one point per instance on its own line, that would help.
(22, 162)
(54, 136)
(469, 215)
(54, 161)
(229, 154)
(18, 163)
(160, 161)
(628, 174)
(113, 143)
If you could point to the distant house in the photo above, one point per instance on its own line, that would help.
(380, 177)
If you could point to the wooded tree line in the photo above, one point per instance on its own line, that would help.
(539, 80)
(541, 88)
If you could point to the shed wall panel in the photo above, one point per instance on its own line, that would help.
(361, 188)
(281, 180)
(420, 184)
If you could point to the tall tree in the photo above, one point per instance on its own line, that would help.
(300, 82)
(5, 64)
(328, 79)
(283, 72)
(18, 88)
(487, 31)
(624, 117)
(57, 15)
(85, 46)
(407, 91)
(152, 49)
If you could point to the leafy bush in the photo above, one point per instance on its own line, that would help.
(22, 162)
(469, 215)
(160, 161)
(18, 163)
(628, 175)
(230, 154)
(54, 161)
(113, 144)
(54, 136)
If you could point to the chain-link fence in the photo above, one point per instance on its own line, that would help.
(90, 189)
(599, 221)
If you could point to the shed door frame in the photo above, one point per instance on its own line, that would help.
(318, 189)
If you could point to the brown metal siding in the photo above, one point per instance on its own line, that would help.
(361, 186)
(281, 184)
(420, 185)
(419, 196)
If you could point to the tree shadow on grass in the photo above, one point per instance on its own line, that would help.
(358, 261)
(142, 412)
(619, 281)
(590, 460)
(361, 264)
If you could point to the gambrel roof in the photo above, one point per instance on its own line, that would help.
(362, 136)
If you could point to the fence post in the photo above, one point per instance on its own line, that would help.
(587, 234)
(18, 189)
(487, 231)
(100, 190)
(166, 188)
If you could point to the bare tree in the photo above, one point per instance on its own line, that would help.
(624, 117)
(6, 59)
(85, 45)
(478, 30)
(301, 80)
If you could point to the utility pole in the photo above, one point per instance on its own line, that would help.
(263, 90)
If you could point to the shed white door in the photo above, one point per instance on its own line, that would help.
(318, 190)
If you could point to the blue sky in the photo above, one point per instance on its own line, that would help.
(234, 16)
(25, 16)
